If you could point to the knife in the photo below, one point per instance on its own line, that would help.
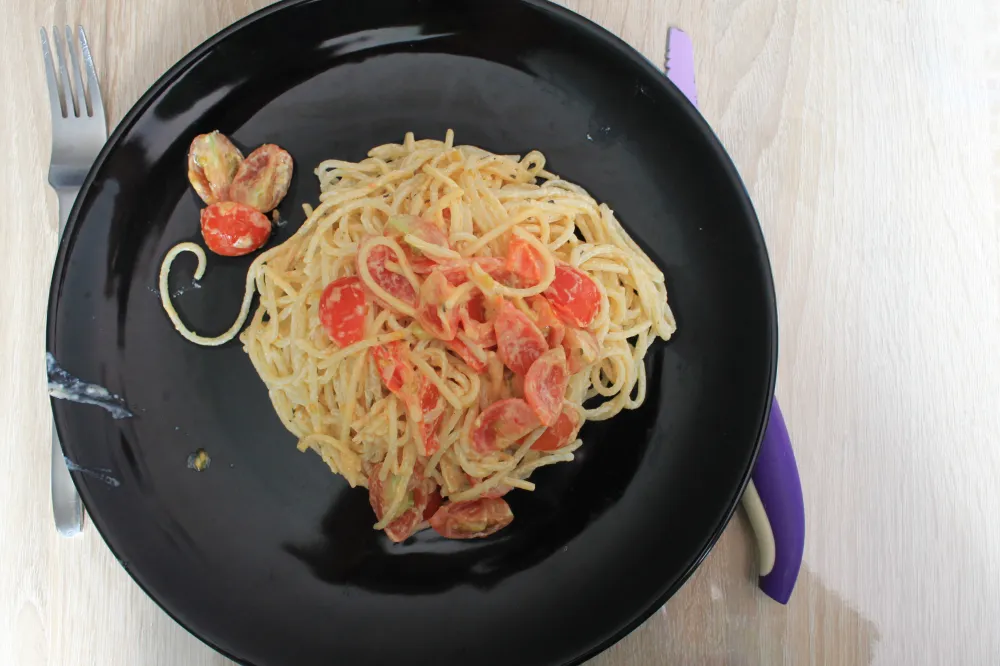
(773, 498)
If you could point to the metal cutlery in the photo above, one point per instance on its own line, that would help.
(79, 130)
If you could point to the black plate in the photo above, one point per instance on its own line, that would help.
(267, 556)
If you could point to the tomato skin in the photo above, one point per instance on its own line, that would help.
(393, 283)
(233, 229)
(342, 310)
(545, 385)
(263, 178)
(502, 424)
(213, 160)
(519, 342)
(574, 296)
(560, 433)
(473, 519)
(581, 349)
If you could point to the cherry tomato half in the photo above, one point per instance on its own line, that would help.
(233, 229)
(212, 162)
(502, 424)
(519, 342)
(581, 349)
(263, 178)
(428, 398)
(470, 520)
(550, 325)
(437, 320)
(433, 503)
(393, 366)
(524, 261)
(419, 490)
(475, 322)
(561, 432)
(401, 225)
(545, 385)
(457, 270)
(462, 350)
(495, 491)
(574, 296)
(342, 310)
(394, 283)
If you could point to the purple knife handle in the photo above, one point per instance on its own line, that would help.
(775, 478)
(773, 499)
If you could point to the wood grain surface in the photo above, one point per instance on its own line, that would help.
(868, 134)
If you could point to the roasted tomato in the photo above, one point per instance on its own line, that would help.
(574, 296)
(233, 229)
(263, 178)
(470, 520)
(212, 162)
(519, 342)
(342, 310)
(503, 424)
(545, 385)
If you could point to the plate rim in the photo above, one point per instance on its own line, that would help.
(587, 28)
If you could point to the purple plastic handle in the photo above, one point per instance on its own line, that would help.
(776, 479)
(774, 497)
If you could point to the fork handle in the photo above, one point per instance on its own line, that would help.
(67, 197)
(67, 509)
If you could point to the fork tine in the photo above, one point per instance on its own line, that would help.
(67, 91)
(55, 98)
(81, 93)
(93, 86)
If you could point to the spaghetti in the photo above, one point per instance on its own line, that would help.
(443, 323)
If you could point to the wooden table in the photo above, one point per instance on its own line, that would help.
(868, 133)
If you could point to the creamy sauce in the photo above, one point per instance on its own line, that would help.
(65, 386)
(99, 473)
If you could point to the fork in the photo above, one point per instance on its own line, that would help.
(79, 131)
